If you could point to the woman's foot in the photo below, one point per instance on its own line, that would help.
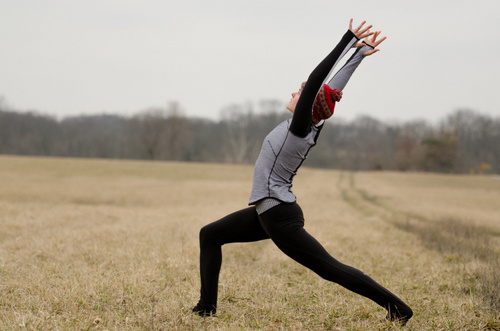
(202, 311)
(401, 316)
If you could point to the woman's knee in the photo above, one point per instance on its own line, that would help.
(206, 234)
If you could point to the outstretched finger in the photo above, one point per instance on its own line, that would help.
(375, 35)
(360, 26)
(379, 41)
(366, 34)
(365, 29)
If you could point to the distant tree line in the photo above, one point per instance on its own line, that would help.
(463, 142)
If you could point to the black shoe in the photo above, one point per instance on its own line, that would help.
(400, 316)
(203, 312)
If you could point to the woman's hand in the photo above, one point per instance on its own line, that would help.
(372, 41)
(360, 32)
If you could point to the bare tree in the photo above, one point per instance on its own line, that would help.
(408, 152)
(151, 125)
(164, 132)
(237, 120)
(478, 139)
(177, 135)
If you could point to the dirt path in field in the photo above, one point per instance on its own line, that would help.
(474, 245)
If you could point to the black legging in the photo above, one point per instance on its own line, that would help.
(284, 224)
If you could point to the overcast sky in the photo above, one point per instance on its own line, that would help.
(70, 57)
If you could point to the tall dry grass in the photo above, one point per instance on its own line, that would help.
(96, 245)
(473, 240)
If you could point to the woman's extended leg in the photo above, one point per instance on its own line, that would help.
(241, 226)
(285, 226)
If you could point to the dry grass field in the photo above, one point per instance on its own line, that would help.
(113, 245)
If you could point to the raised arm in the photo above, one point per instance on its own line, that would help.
(301, 122)
(340, 79)
(367, 48)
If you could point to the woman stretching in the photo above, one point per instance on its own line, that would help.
(274, 212)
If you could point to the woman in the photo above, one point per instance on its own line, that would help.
(274, 213)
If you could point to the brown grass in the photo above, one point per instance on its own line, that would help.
(96, 245)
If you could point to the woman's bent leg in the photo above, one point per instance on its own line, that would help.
(241, 226)
(285, 226)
